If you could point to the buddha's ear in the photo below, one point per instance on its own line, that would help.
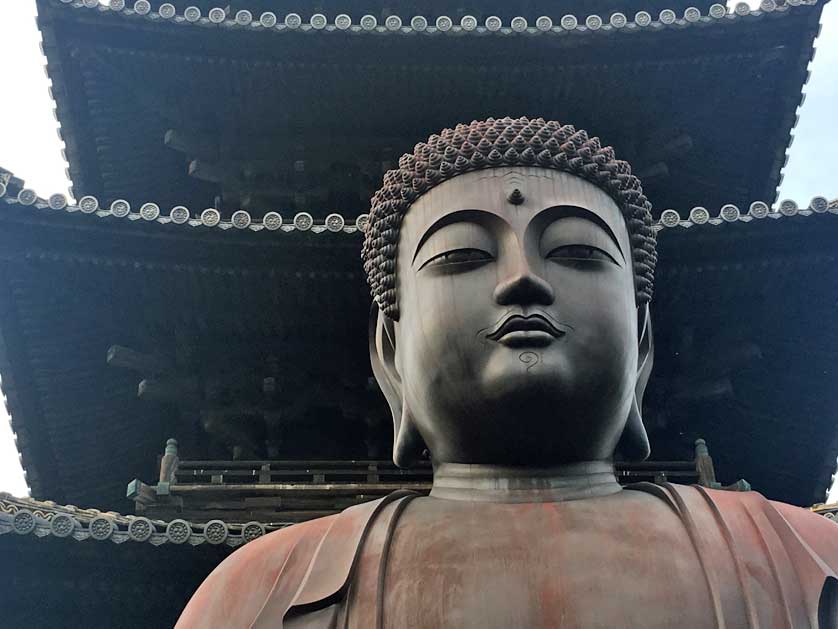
(382, 346)
(646, 351)
(407, 443)
(634, 442)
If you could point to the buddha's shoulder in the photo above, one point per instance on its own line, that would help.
(234, 593)
(789, 522)
(803, 521)
(820, 533)
(295, 566)
(266, 554)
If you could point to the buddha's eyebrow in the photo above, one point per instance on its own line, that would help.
(458, 216)
(562, 211)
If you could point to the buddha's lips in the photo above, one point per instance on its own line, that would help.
(519, 323)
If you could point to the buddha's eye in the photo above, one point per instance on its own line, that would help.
(466, 256)
(580, 254)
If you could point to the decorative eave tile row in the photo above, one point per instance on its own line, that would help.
(757, 210)
(336, 223)
(26, 516)
(181, 215)
(468, 24)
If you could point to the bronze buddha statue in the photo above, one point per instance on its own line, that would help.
(511, 262)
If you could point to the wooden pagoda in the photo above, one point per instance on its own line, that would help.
(204, 283)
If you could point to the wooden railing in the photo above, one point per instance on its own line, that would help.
(293, 491)
(286, 472)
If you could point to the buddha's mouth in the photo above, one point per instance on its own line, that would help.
(520, 331)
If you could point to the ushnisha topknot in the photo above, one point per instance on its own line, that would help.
(494, 143)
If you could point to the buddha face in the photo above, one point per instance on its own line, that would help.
(517, 341)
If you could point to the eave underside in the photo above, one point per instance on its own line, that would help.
(64, 583)
(742, 356)
(256, 105)
(120, 86)
(81, 428)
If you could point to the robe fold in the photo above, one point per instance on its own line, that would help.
(652, 556)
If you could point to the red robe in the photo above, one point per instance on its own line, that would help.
(657, 556)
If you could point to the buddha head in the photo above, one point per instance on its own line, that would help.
(511, 264)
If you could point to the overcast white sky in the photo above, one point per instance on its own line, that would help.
(30, 148)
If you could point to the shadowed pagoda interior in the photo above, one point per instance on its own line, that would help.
(203, 282)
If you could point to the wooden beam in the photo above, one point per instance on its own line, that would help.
(326, 463)
(290, 146)
(208, 171)
(146, 364)
(139, 492)
(191, 144)
(175, 390)
(654, 171)
(653, 158)
(329, 488)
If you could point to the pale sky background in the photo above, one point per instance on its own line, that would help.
(29, 144)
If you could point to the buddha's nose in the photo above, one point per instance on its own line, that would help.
(524, 287)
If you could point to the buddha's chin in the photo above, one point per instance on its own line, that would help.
(525, 372)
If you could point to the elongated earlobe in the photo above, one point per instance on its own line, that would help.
(634, 442)
(407, 443)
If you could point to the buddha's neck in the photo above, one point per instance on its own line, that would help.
(514, 484)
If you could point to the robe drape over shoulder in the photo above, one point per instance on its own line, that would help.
(753, 563)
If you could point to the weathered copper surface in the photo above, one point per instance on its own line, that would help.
(514, 344)
(664, 556)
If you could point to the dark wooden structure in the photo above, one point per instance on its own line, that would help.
(245, 338)
(285, 492)
(280, 376)
(55, 575)
(306, 118)
(167, 290)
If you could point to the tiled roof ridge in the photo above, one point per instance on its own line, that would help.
(181, 215)
(336, 223)
(26, 516)
(393, 24)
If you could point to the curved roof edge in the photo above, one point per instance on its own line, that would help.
(272, 221)
(444, 25)
(181, 215)
(730, 213)
(26, 516)
(141, 11)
